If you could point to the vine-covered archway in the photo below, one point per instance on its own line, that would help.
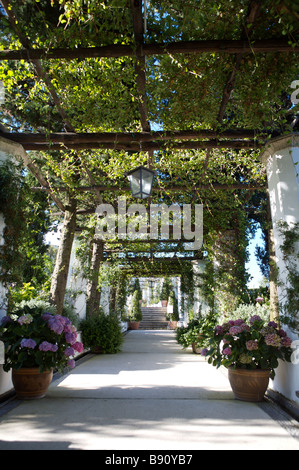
(191, 89)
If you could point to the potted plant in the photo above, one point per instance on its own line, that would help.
(136, 287)
(197, 333)
(36, 343)
(165, 292)
(135, 314)
(102, 333)
(251, 352)
(172, 311)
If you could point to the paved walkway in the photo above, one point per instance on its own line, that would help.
(151, 396)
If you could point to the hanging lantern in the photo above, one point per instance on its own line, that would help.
(141, 182)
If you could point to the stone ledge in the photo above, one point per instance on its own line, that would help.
(279, 143)
(289, 406)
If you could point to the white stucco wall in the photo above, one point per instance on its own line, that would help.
(13, 151)
(5, 377)
(282, 162)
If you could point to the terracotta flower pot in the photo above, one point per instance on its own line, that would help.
(97, 350)
(196, 349)
(249, 385)
(164, 303)
(172, 325)
(133, 325)
(30, 384)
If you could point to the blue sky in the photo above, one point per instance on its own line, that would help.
(252, 266)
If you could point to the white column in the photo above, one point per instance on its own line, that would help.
(281, 158)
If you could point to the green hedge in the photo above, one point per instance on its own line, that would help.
(102, 332)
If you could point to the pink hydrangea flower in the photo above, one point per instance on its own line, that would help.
(273, 340)
(239, 322)
(69, 351)
(286, 341)
(56, 324)
(28, 343)
(219, 330)
(235, 330)
(71, 337)
(252, 345)
(255, 318)
(78, 346)
(227, 351)
(46, 346)
(25, 319)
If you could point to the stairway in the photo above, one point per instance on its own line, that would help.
(153, 318)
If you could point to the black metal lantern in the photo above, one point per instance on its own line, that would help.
(141, 182)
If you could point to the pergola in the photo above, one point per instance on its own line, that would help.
(191, 89)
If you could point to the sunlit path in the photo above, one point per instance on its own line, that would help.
(152, 395)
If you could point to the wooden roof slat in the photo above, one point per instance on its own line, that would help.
(216, 46)
(150, 146)
(126, 137)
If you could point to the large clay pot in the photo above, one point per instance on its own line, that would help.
(164, 303)
(133, 325)
(30, 384)
(172, 325)
(97, 350)
(249, 385)
(195, 348)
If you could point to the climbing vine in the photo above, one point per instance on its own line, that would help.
(183, 92)
(290, 302)
(23, 254)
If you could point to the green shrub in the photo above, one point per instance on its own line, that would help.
(173, 301)
(165, 291)
(246, 311)
(102, 332)
(197, 331)
(135, 313)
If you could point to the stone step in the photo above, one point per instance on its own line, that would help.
(153, 318)
(153, 326)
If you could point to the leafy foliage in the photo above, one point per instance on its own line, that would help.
(35, 338)
(173, 301)
(183, 91)
(135, 313)
(102, 332)
(257, 345)
(23, 256)
(290, 310)
(197, 331)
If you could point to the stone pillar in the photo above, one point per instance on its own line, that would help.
(281, 158)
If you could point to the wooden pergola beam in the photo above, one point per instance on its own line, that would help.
(174, 188)
(182, 47)
(126, 137)
(165, 259)
(148, 146)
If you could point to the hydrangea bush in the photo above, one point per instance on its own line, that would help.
(35, 339)
(249, 345)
